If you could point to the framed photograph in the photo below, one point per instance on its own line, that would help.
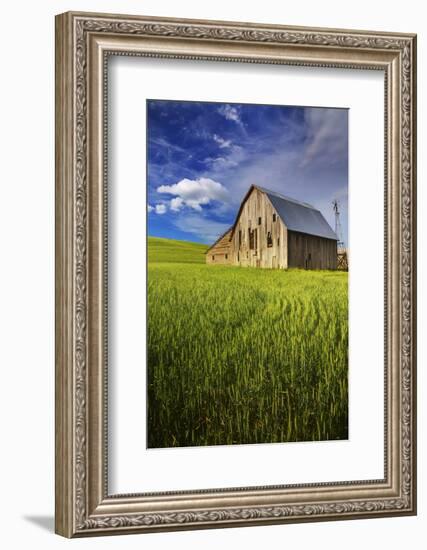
(235, 274)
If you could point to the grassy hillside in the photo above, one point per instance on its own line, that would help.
(168, 250)
(243, 355)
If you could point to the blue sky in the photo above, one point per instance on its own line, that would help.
(203, 157)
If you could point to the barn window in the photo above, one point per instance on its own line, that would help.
(252, 238)
(240, 238)
(259, 221)
(238, 256)
(269, 240)
(274, 217)
(213, 257)
(226, 256)
(278, 241)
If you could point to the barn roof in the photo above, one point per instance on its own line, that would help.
(297, 216)
(300, 216)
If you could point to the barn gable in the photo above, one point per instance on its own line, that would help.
(259, 236)
(220, 251)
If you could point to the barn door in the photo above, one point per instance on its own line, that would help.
(274, 262)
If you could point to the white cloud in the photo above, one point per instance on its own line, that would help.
(195, 193)
(158, 208)
(161, 209)
(230, 113)
(176, 204)
(223, 143)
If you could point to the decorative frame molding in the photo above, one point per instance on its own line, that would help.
(83, 43)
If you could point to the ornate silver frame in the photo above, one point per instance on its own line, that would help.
(83, 505)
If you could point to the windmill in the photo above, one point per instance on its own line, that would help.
(342, 260)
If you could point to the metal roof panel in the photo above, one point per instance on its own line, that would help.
(299, 216)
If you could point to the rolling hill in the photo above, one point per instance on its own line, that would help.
(171, 251)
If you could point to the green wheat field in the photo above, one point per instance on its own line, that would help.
(243, 355)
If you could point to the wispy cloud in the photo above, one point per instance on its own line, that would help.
(326, 138)
(231, 158)
(162, 142)
(220, 163)
(230, 112)
(223, 143)
(205, 228)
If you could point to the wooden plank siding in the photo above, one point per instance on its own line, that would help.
(311, 252)
(220, 251)
(256, 218)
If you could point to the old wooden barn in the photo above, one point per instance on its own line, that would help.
(274, 231)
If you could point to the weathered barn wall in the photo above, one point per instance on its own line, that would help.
(260, 237)
(311, 252)
(220, 252)
(257, 240)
